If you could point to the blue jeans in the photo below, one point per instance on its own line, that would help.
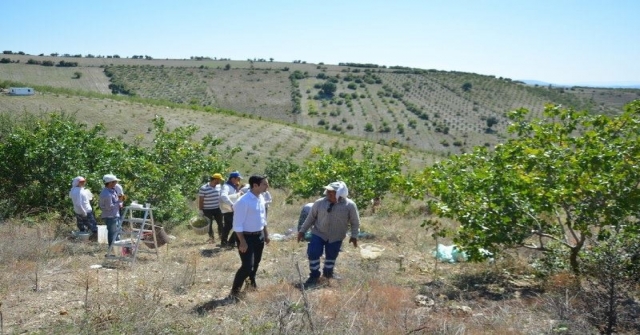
(112, 228)
(315, 249)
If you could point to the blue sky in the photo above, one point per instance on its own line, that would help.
(559, 41)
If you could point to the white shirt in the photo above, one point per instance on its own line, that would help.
(228, 196)
(81, 198)
(119, 190)
(249, 213)
(267, 198)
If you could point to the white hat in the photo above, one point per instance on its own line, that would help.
(109, 178)
(335, 186)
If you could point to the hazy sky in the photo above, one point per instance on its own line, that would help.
(556, 41)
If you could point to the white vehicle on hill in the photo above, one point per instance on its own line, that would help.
(21, 91)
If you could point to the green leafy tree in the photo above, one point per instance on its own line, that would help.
(329, 88)
(297, 75)
(368, 127)
(279, 171)
(42, 156)
(560, 181)
(167, 175)
(491, 121)
(367, 177)
(467, 87)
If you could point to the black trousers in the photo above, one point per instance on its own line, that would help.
(227, 226)
(250, 261)
(214, 214)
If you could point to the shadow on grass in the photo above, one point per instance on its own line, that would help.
(486, 285)
(210, 252)
(213, 304)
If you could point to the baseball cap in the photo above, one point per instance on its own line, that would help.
(216, 176)
(235, 174)
(333, 186)
(109, 178)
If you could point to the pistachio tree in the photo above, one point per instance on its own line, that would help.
(367, 174)
(558, 181)
(42, 154)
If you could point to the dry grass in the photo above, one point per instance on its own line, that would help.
(183, 291)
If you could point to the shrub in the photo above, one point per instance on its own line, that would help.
(279, 170)
(368, 127)
(40, 159)
(362, 176)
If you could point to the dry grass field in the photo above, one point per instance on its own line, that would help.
(49, 285)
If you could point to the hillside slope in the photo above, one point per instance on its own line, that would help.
(429, 110)
(260, 140)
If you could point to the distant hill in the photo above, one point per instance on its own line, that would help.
(535, 82)
(440, 112)
(632, 85)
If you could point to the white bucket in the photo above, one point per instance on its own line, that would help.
(103, 234)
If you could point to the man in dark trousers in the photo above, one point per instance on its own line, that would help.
(250, 227)
(229, 194)
(209, 203)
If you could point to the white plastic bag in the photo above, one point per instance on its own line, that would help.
(449, 253)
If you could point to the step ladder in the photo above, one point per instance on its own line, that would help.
(134, 228)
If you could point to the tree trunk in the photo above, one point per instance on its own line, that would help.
(573, 256)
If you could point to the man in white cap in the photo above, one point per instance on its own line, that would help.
(81, 198)
(110, 206)
(329, 219)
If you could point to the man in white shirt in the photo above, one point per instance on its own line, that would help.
(250, 226)
(81, 199)
(229, 194)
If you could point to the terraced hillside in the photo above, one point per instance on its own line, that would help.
(259, 140)
(429, 110)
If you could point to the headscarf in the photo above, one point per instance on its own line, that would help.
(76, 181)
(343, 191)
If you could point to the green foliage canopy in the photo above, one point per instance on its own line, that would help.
(562, 179)
(329, 88)
(368, 177)
(41, 156)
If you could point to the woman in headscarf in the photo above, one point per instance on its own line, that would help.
(81, 198)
